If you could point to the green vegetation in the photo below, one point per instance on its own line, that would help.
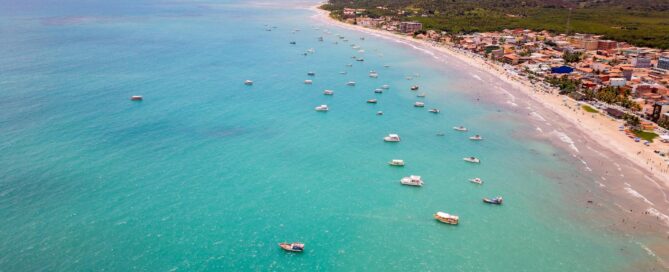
(646, 135)
(571, 57)
(565, 84)
(589, 109)
(642, 23)
(612, 95)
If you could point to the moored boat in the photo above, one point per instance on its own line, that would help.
(434, 110)
(447, 218)
(378, 91)
(460, 128)
(414, 87)
(136, 98)
(379, 113)
(372, 101)
(396, 163)
(248, 82)
(419, 104)
(322, 108)
(476, 180)
(351, 83)
(311, 73)
(328, 92)
(392, 138)
(476, 138)
(385, 87)
(471, 159)
(412, 181)
(292, 247)
(496, 200)
(308, 81)
(420, 95)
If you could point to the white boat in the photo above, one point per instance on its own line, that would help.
(434, 110)
(420, 95)
(373, 74)
(379, 113)
(248, 82)
(396, 163)
(328, 92)
(419, 104)
(476, 180)
(412, 181)
(308, 81)
(460, 128)
(386, 87)
(136, 98)
(322, 108)
(414, 87)
(472, 159)
(476, 138)
(392, 138)
(311, 73)
(360, 59)
(351, 83)
(447, 218)
(372, 101)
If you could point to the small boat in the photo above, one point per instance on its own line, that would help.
(441, 134)
(392, 138)
(472, 159)
(362, 38)
(460, 128)
(136, 98)
(372, 101)
(434, 110)
(378, 91)
(386, 66)
(292, 247)
(320, 39)
(419, 104)
(311, 50)
(412, 181)
(476, 180)
(396, 163)
(311, 73)
(328, 92)
(349, 65)
(248, 82)
(420, 95)
(385, 87)
(308, 81)
(342, 72)
(373, 74)
(360, 59)
(497, 200)
(379, 113)
(292, 42)
(351, 83)
(414, 87)
(476, 138)
(322, 108)
(447, 218)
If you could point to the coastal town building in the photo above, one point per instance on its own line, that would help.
(641, 74)
(410, 27)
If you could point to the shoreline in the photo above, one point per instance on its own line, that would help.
(620, 167)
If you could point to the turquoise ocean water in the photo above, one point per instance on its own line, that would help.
(209, 174)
